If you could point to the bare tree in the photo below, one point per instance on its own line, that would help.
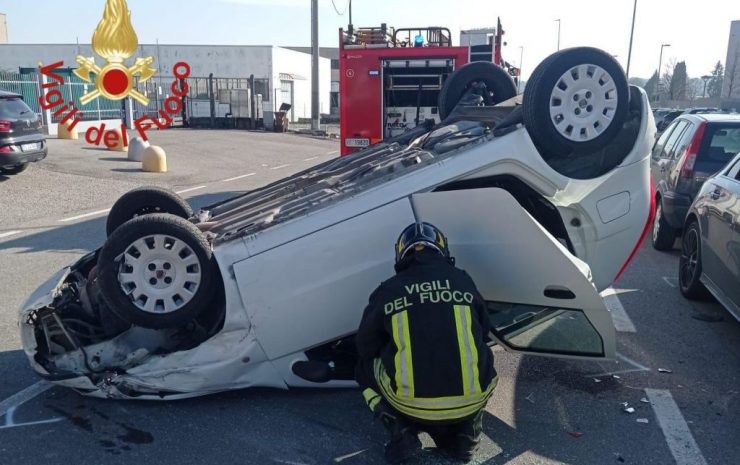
(665, 82)
(694, 88)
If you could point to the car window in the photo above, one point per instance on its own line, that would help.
(683, 143)
(658, 147)
(734, 170)
(673, 139)
(720, 144)
(13, 108)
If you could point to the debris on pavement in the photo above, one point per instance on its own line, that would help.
(575, 434)
(644, 400)
(616, 377)
(664, 370)
(529, 398)
(597, 380)
(630, 410)
(643, 420)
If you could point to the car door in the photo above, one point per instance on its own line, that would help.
(663, 157)
(540, 297)
(724, 219)
(655, 166)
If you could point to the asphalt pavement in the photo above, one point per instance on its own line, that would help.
(678, 363)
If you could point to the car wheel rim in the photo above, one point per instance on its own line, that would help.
(159, 273)
(689, 257)
(656, 223)
(583, 103)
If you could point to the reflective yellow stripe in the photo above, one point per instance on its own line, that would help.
(403, 361)
(468, 351)
(433, 409)
(409, 361)
(371, 398)
(461, 347)
(473, 350)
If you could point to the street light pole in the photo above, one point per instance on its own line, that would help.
(706, 79)
(558, 21)
(632, 34)
(660, 63)
(315, 65)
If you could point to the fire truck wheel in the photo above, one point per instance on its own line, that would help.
(497, 81)
(576, 101)
(144, 201)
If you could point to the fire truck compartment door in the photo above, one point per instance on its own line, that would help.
(540, 297)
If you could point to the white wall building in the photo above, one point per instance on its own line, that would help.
(288, 72)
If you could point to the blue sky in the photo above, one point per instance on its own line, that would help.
(697, 33)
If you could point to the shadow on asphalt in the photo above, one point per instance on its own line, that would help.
(88, 234)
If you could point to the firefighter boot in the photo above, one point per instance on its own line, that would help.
(404, 441)
(464, 443)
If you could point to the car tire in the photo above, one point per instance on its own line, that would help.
(576, 101)
(15, 170)
(497, 81)
(689, 264)
(156, 271)
(664, 236)
(144, 201)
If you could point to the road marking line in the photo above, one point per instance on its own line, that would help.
(9, 233)
(239, 177)
(190, 190)
(86, 215)
(622, 321)
(311, 158)
(10, 420)
(280, 166)
(675, 429)
(671, 281)
(332, 153)
(21, 397)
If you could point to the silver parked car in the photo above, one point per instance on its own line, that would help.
(710, 255)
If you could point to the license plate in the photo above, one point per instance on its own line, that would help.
(357, 142)
(31, 147)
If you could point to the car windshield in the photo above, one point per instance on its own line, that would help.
(13, 108)
(720, 145)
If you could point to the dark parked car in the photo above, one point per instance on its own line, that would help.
(21, 140)
(663, 119)
(693, 148)
(710, 254)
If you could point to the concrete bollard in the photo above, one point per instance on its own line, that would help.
(120, 144)
(154, 160)
(63, 132)
(136, 149)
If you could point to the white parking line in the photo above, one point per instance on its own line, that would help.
(9, 233)
(190, 190)
(675, 429)
(622, 321)
(332, 153)
(23, 396)
(239, 177)
(671, 281)
(85, 215)
(310, 158)
(279, 166)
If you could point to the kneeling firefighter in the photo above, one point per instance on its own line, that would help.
(424, 364)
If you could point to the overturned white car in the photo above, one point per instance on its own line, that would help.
(544, 199)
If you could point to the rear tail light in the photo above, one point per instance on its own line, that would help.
(645, 231)
(5, 149)
(4, 126)
(687, 169)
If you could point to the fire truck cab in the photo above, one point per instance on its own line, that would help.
(390, 79)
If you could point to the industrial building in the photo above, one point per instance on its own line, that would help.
(281, 75)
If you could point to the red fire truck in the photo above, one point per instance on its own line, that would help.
(390, 80)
